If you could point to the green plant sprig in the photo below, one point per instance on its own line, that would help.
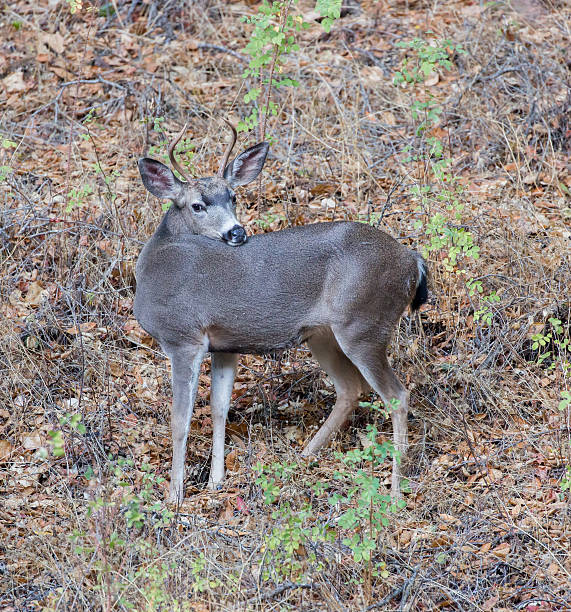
(272, 38)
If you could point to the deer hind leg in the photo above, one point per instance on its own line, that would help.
(349, 384)
(185, 362)
(222, 381)
(371, 360)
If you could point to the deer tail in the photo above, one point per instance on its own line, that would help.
(421, 295)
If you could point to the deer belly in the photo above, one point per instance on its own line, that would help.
(258, 343)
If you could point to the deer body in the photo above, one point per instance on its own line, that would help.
(275, 290)
(341, 287)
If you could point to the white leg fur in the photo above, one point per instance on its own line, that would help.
(185, 370)
(222, 381)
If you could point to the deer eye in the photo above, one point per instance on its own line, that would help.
(233, 199)
(198, 207)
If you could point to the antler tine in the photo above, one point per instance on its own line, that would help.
(228, 149)
(174, 163)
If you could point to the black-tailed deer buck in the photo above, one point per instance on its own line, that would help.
(341, 287)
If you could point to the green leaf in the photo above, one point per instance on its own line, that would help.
(4, 172)
(565, 401)
(56, 439)
(441, 558)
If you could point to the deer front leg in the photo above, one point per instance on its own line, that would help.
(222, 381)
(185, 370)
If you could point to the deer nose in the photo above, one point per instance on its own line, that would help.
(235, 236)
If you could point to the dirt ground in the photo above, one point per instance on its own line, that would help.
(85, 392)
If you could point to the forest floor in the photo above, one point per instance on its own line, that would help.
(85, 393)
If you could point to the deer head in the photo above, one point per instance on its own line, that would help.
(207, 205)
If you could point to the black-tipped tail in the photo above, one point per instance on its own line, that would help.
(421, 295)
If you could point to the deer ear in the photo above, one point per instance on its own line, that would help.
(246, 167)
(159, 179)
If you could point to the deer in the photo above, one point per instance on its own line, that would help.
(204, 285)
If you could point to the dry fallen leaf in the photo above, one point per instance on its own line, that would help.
(373, 75)
(116, 368)
(531, 178)
(490, 603)
(432, 79)
(62, 72)
(84, 328)
(241, 505)
(502, 550)
(15, 82)
(5, 450)
(35, 294)
(388, 118)
(54, 41)
(232, 461)
(553, 569)
(32, 441)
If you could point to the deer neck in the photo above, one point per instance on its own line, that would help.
(177, 220)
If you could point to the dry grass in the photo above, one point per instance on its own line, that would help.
(486, 526)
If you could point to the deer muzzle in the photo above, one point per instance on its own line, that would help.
(235, 236)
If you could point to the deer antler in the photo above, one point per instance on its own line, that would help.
(174, 163)
(228, 149)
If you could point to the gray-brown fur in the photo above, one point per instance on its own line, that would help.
(278, 286)
(341, 287)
